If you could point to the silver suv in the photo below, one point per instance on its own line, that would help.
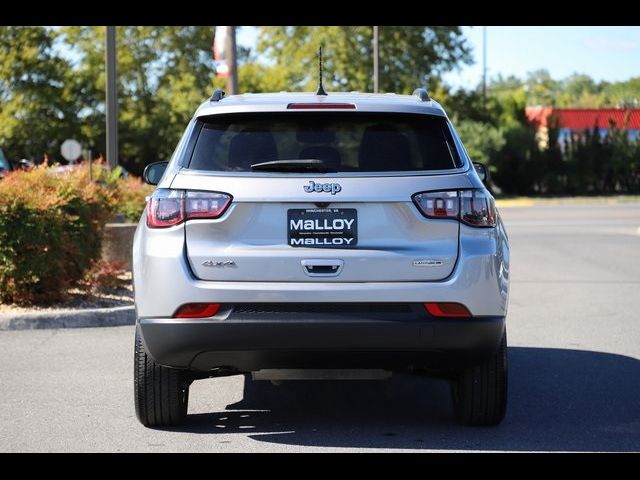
(296, 235)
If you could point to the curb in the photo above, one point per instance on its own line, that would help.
(96, 317)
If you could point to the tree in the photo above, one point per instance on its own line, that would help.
(409, 56)
(579, 89)
(541, 88)
(163, 74)
(622, 94)
(37, 103)
(480, 139)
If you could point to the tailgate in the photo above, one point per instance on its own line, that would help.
(276, 231)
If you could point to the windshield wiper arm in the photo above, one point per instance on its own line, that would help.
(304, 165)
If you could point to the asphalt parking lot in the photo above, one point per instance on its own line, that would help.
(574, 334)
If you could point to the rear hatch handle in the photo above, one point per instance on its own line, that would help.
(322, 267)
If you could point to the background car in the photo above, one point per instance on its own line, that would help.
(5, 164)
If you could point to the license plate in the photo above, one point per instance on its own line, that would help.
(322, 227)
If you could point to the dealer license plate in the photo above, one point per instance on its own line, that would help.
(322, 227)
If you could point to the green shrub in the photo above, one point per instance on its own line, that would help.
(129, 192)
(51, 227)
(106, 275)
(586, 163)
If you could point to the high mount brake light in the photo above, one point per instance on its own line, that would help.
(475, 208)
(167, 208)
(321, 106)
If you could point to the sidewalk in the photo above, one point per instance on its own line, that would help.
(72, 318)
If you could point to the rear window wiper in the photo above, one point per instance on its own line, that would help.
(305, 165)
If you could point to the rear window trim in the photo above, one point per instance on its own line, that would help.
(185, 162)
(396, 173)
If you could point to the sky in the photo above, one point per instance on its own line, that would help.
(604, 53)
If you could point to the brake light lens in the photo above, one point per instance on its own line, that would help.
(447, 310)
(205, 204)
(197, 310)
(475, 208)
(438, 204)
(167, 208)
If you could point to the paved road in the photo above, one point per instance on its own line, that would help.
(574, 333)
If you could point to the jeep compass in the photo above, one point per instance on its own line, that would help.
(296, 232)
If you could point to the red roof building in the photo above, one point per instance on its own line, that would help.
(585, 118)
(570, 120)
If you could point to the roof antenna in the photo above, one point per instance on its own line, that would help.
(320, 90)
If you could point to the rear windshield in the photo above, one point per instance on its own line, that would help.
(344, 142)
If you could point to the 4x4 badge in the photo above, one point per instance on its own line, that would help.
(331, 188)
(214, 263)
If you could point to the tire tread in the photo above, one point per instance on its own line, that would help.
(160, 393)
(480, 392)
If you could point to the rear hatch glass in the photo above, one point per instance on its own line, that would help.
(341, 142)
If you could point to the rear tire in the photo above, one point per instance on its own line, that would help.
(480, 392)
(161, 394)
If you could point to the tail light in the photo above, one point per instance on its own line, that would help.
(197, 310)
(447, 310)
(170, 207)
(438, 204)
(166, 208)
(205, 204)
(472, 207)
(477, 208)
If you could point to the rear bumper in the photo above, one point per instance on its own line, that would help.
(250, 344)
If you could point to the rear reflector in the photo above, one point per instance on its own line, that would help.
(321, 106)
(447, 309)
(197, 310)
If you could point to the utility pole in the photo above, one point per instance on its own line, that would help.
(232, 80)
(111, 98)
(376, 58)
(484, 64)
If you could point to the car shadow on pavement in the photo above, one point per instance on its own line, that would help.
(559, 400)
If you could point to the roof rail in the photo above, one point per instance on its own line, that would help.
(422, 94)
(217, 95)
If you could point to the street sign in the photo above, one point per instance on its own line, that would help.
(71, 150)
